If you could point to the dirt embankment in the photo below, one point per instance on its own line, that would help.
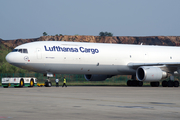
(151, 40)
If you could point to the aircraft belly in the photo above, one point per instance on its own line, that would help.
(75, 68)
(82, 69)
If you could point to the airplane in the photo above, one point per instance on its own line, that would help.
(99, 61)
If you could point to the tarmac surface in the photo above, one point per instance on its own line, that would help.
(90, 103)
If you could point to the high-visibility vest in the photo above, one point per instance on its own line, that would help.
(64, 80)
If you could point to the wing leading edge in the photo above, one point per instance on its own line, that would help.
(166, 66)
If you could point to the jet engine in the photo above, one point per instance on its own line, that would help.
(150, 73)
(97, 77)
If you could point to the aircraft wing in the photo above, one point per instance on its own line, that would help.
(163, 64)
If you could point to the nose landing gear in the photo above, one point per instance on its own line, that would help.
(48, 83)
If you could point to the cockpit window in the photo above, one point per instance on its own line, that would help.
(20, 50)
(25, 51)
(15, 50)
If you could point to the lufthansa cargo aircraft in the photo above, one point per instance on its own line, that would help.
(98, 61)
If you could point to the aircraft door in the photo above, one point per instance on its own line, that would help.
(39, 54)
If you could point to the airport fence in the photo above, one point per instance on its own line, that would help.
(73, 79)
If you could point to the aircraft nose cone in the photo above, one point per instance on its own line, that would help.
(9, 58)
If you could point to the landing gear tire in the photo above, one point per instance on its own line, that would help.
(164, 83)
(140, 83)
(176, 83)
(134, 83)
(129, 83)
(48, 84)
(170, 83)
(154, 84)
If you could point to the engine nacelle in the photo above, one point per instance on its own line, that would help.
(149, 73)
(97, 77)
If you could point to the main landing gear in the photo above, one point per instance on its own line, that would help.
(169, 83)
(165, 83)
(134, 82)
(154, 84)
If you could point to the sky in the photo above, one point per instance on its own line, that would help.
(30, 18)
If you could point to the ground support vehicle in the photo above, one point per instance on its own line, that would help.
(40, 84)
(18, 82)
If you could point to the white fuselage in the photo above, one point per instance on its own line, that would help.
(89, 58)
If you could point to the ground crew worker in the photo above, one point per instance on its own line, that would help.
(64, 82)
(57, 84)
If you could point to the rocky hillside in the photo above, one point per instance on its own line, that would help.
(151, 40)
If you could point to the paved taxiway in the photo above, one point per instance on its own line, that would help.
(90, 103)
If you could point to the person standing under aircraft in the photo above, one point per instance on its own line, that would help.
(57, 82)
(64, 82)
